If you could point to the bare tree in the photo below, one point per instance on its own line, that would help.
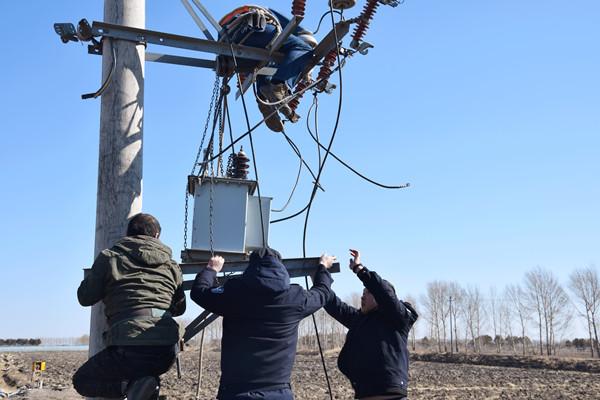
(457, 294)
(474, 315)
(518, 299)
(495, 317)
(585, 285)
(549, 300)
(413, 339)
(437, 308)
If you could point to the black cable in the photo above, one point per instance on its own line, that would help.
(297, 151)
(316, 139)
(312, 85)
(235, 64)
(323, 16)
(315, 186)
(289, 216)
(229, 124)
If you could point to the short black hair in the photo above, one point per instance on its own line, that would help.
(143, 224)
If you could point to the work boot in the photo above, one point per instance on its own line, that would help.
(145, 388)
(274, 122)
(275, 92)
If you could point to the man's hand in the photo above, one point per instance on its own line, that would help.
(327, 260)
(216, 263)
(355, 264)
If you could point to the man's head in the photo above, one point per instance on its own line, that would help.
(368, 302)
(143, 224)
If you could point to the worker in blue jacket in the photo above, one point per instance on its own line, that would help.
(261, 311)
(375, 355)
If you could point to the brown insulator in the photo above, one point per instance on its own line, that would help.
(300, 86)
(298, 7)
(326, 69)
(240, 165)
(363, 22)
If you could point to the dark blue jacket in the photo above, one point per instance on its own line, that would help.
(375, 355)
(261, 312)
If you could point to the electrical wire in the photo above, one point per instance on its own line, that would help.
(315, 186)
(262, 224)
(297, 151)
(320, 145)
(259, 123)
(323, 16)
(292, 192)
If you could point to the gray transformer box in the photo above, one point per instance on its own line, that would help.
(235, 215)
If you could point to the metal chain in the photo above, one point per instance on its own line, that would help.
(185, 225)
(215, 94)
(221, 132)
(210, 215)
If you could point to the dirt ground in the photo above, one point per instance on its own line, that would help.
(429, 380)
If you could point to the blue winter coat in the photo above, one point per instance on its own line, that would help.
(261, 312)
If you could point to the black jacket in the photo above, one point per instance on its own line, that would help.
(375, 355)
(261, 312)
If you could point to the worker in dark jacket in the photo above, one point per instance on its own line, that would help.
(141, 287)
(261, 312)
(375, 355)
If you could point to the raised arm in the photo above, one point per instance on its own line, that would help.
(92, 288)
(344, 313)
(320, 292)
(207, 294)
(384, 294)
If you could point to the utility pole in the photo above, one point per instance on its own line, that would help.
(451, 349)
(120, 152)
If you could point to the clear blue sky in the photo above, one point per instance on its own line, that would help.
(490, 109)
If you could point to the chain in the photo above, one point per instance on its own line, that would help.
(215, 94)
(185, 224)
(221, 131)
(210, 216)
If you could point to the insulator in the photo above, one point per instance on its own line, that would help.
(240, 166)
(342, 4)
(300, 86)
(325, 70)
(298, 7)
(363, 22)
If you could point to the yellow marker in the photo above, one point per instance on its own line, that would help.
(38, 366)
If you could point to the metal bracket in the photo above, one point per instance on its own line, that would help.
(182, 42)
(296, 267)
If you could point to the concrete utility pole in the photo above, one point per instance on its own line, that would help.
(120, 154)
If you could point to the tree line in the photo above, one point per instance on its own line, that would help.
(530, 317)
(465, 319)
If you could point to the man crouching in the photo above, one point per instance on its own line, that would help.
(141, 287)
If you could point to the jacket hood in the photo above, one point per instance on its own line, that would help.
(144, 249)
(266, 273)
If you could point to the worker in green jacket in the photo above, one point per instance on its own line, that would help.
(141, 287)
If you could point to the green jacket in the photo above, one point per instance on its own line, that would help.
(137, 275)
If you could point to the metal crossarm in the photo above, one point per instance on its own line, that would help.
(201, 322)
(296, 267)
(182, 42)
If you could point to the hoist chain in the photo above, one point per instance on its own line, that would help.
(215, 95)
